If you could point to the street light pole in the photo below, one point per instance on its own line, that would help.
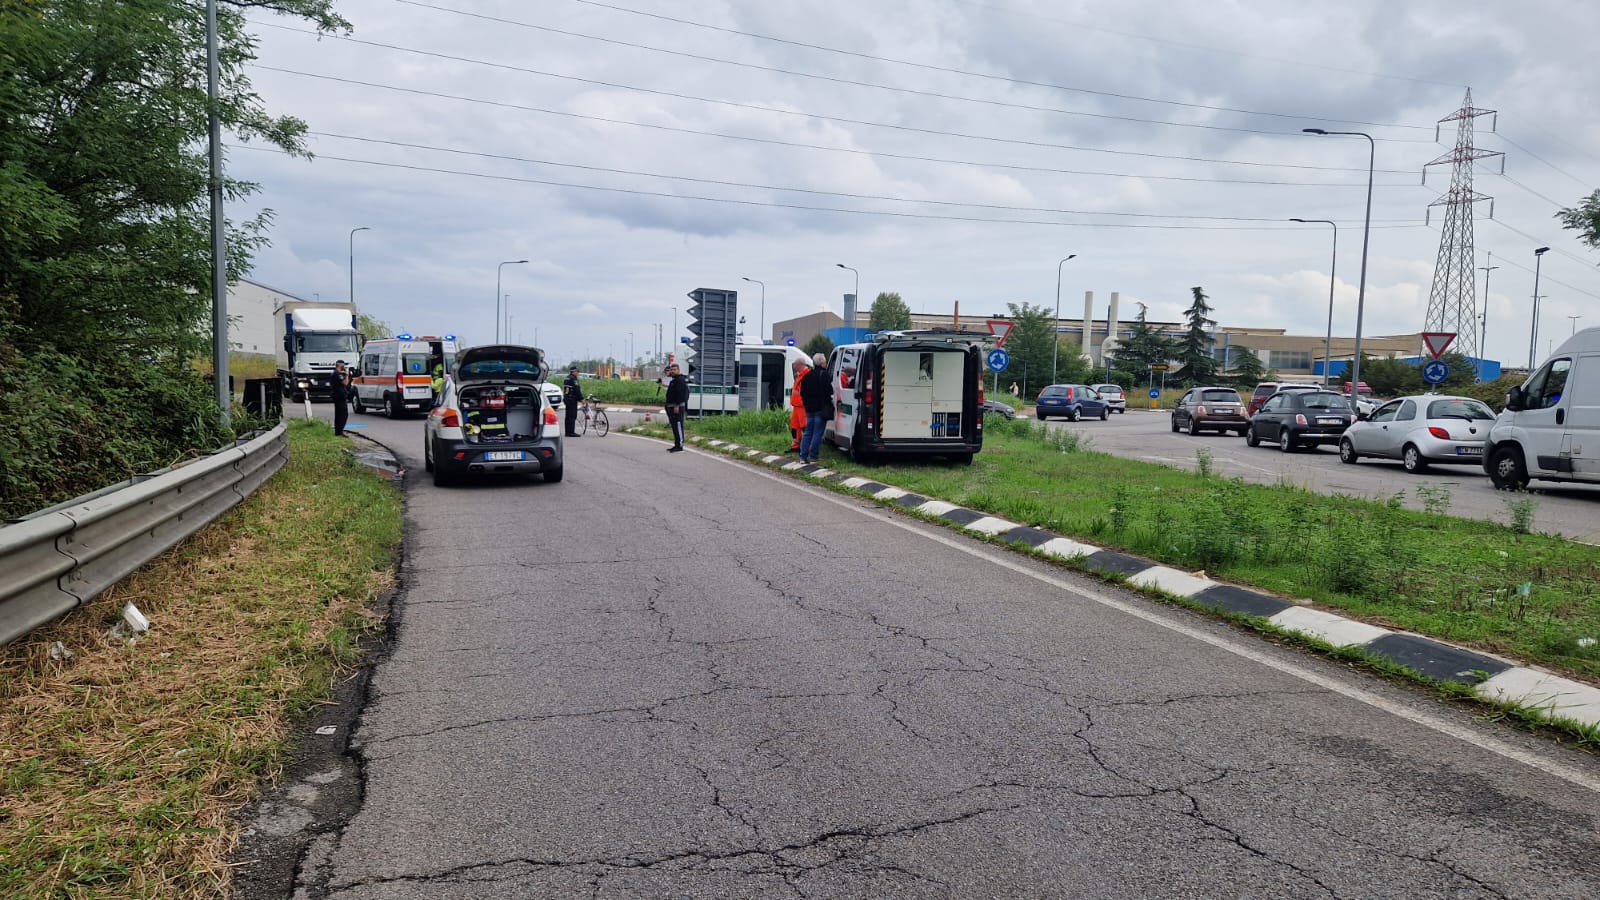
(1484, 326)
(353, 261)
(857, 295)
(498, 269)
(1533, 336)
(1574, 323)
(763, 327)
(219, 256)
(1327, 346)
(1055, 349)
(1366, 233)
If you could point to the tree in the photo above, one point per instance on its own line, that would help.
(819, 344)
(1140, 349)
(1391, 377)
(1584, 219)
(1247, 368)
(1032, 339)
(889, 313)
(373, 328)
(1194, 349)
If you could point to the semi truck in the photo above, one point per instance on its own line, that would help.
(310, 337)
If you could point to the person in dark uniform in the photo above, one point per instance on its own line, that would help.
(572, 396)
(676, 403)
(341, 396)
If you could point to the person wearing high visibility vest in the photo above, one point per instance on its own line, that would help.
(797, 408)
(438, 376)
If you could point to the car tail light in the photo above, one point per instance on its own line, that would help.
(1438, 432)
(549, 416)
(980, 391)
(1299, 419)
(1200, 410)
(449, 418)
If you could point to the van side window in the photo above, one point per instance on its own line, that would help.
(1545, 388)
(369, 364)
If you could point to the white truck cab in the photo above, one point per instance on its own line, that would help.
(1550, 428)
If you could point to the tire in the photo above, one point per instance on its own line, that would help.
(1039, 414)
(1411, 459)
(1105, 414)
(1250, 439)
(427, 457)
(602, 425)
(1347, 452)
(581, 423)
(441, 478)
(360, 408)
(1174, 424)
(1194, 427)
(1285, 440)
(1241, 431)
(1122, 410)
(858, 447)
(397, 408)
(961, 459)
(554, 476)
(1507, 470)
(1075, 415)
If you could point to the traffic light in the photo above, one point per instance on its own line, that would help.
(714, 322)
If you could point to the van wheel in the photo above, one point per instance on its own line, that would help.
(396, 406)
(1506, 469)
(961, 459)
(1411, 459)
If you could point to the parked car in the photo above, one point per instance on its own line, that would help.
(1210, 407)
(1074, 401)
(999, 409)
(1266, 389)
(1429, 428)
(493, 418)
(552, 394)
(1113, 396)
(1296, 418)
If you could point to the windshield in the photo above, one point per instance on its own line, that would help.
(1324, 401)
(1459, 408)
(1220, 396)
(325, 342)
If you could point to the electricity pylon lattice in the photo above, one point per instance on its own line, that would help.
(1453, 304)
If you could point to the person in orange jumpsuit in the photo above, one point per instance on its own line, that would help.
(797, 409)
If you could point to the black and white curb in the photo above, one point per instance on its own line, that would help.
(1491, 678)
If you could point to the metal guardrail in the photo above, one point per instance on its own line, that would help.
(60, 558)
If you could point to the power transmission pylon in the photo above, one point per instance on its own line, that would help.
(1453, 304)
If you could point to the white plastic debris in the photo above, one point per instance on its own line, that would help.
(327, 729)
(1586, 643)
(59, 651)
(132, 625)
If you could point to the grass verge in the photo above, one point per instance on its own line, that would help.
(120, 766)
(1480, 584)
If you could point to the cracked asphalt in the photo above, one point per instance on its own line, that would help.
(675, 676)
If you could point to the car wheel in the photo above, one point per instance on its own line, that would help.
(1040, 415)
(1347, 452)
(1411, 459)
(1174, 424)
(427, 455)
(442, 478)
(1074, 414)
(554, 476)
(1194, 427)
(1105, 414)
(1250, 438)
(1285, 441)
(1506, 469)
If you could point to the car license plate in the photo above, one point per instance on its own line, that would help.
(1328, 421)
(1469, 451)
(1224, 410)
(504, 456)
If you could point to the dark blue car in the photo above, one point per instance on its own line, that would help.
(1074, 401)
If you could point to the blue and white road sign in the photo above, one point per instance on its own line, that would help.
(1435, 371)
(998, 360)
(1155, 393)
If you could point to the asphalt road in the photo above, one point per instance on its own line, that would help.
(1571, 510)
(677, 676)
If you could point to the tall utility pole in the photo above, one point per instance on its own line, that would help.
(1452, 305)
(1055, 327)
(1483, 318)
(219, 258)
(353, 260)
(1533, 333)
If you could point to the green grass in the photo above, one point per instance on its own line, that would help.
(120, 767)
(608, 390)
(1481, 584)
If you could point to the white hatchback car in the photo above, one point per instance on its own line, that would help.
(1427, 428)
(493, 418)
(1113, 396)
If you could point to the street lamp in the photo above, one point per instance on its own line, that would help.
(857, 295)
(1366, 233)
(1574, 323)
(353, 261)
(1055, 351)
(763, 325)
(498, 269)
(1327, 347)
(1483, 342)
(1533, 336)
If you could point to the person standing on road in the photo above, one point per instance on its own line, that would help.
(340, 393)
(572, 396)
(676, 403)
(816, 392)
(436, 369)
(797, 406)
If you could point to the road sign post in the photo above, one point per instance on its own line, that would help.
(998, 359)
(1435, 371)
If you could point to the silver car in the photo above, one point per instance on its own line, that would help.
(493, 418)
(1427, 428)
(1112, 394)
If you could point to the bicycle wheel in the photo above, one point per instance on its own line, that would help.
(602, 425)
(582, 421)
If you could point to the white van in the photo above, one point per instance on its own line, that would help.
(394, 373)
(765, 375)
(1550, 428)
(915, 392)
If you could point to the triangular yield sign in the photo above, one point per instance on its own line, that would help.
(1438, 341)
(1001, 329)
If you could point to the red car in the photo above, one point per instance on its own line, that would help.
(1267, 388)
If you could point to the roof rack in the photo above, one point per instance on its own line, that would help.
(935, 334)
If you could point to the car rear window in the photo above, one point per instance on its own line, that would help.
(1053, 391)
(482, 368)
(1471, 410)
(1108, 388)
(1321, 400)
(1266, 390)
(1220, 396)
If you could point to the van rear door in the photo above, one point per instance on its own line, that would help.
(1582, 438)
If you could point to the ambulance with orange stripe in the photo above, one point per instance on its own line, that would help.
(395, 375)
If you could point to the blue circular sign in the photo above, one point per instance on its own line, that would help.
(1155, 393)
(1435, 372)
(999, 359)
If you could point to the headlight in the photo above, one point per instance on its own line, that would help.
(302, 385)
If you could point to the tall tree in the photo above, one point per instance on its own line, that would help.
(889, 313)
(1029, 345)
(1584, 219)
(1194, 349)
(1141, 348)
(373, 328)
(1248, 370)
(819, 344)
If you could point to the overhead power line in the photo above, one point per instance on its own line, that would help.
(833, 79)
(1542, 242)
(855, 151)
(1545, 276)
(810, 115)
(772, 204)
(1576, 179)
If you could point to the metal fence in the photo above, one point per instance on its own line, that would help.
(60, 558)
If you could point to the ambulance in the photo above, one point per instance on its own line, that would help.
(395, 374)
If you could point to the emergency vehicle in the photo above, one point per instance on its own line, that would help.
(910, 392)
(395, 374)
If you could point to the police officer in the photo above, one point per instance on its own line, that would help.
(676, 404)
(340, 392)
(572, 396)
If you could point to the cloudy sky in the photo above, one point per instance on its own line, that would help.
(951, 150)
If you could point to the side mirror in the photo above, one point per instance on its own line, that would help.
(1362, 417)
(1516, 399)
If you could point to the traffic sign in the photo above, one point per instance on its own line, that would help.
(1435, 371)
(999, 359)
(1155, 393)
(1438, 341)
(1159, 367)
(1001, 329)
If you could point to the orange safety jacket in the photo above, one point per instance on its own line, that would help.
(797, 410)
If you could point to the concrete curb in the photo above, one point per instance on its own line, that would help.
(1503, 682)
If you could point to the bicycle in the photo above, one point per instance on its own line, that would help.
(593, 416)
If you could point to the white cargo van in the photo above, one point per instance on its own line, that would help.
(1550, 428)
(910, 392)
(765, 375)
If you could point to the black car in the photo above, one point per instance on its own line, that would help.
(1210, 407)
(1294, 418)
(999, 409)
